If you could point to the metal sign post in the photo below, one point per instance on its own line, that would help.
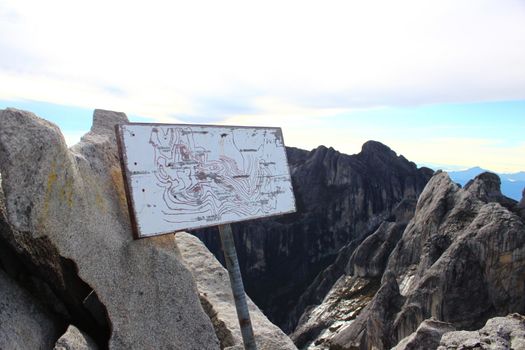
(184, 177)
(239, 296)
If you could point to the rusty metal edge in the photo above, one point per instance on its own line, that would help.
(126, 176)
(289, 173)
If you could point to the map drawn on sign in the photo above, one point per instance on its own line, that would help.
(183, 177)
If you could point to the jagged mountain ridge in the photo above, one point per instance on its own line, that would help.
(339, 198)
(460, 260)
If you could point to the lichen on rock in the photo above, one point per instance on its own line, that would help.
(74, 199)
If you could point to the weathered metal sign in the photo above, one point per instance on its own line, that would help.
(182, 177)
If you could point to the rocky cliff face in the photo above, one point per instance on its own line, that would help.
(461, 260)
(361, 268)
(340, 199)
(66, 223)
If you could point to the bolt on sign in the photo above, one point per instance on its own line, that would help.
(182, 177)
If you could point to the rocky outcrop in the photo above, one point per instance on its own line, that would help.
(68, 207)
(74, 339)
(343, 303)
(499, 333)
(340, 199)
(216, 296)
(361, 264)
(427, 336)
(370, 257)
(488, 189)
(352, 292)
(461, 260)
(24, 324)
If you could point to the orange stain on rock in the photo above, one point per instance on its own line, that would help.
(118, 183)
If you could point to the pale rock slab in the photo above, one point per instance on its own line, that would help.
(214, 287)
(75, 339)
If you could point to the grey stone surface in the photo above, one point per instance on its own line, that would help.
(499, 333)
(370, 257)
(344, 302)
(36, 264)
(363, 262)
(371, 328)
(461, 260)
(75, 199)
(23, 323)
(427, 336)
(214, 287)
(75, 339)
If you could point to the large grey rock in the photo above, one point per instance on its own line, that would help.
(499, 333)
(340, 199)
(427, 336)
(214, 287)
(460, 260)
(74, 199)
(36, 265)
(75, 339)
(23, 323)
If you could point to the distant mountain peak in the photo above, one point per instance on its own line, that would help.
(376, 147)
(476, 168)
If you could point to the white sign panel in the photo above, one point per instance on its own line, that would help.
(182, 177)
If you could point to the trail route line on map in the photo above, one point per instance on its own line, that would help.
(191, 176)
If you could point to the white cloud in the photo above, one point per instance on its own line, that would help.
(288, 63)
(170, 57)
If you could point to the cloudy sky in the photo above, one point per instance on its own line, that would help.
(441, 82)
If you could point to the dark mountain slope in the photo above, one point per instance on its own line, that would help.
(340, 198)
